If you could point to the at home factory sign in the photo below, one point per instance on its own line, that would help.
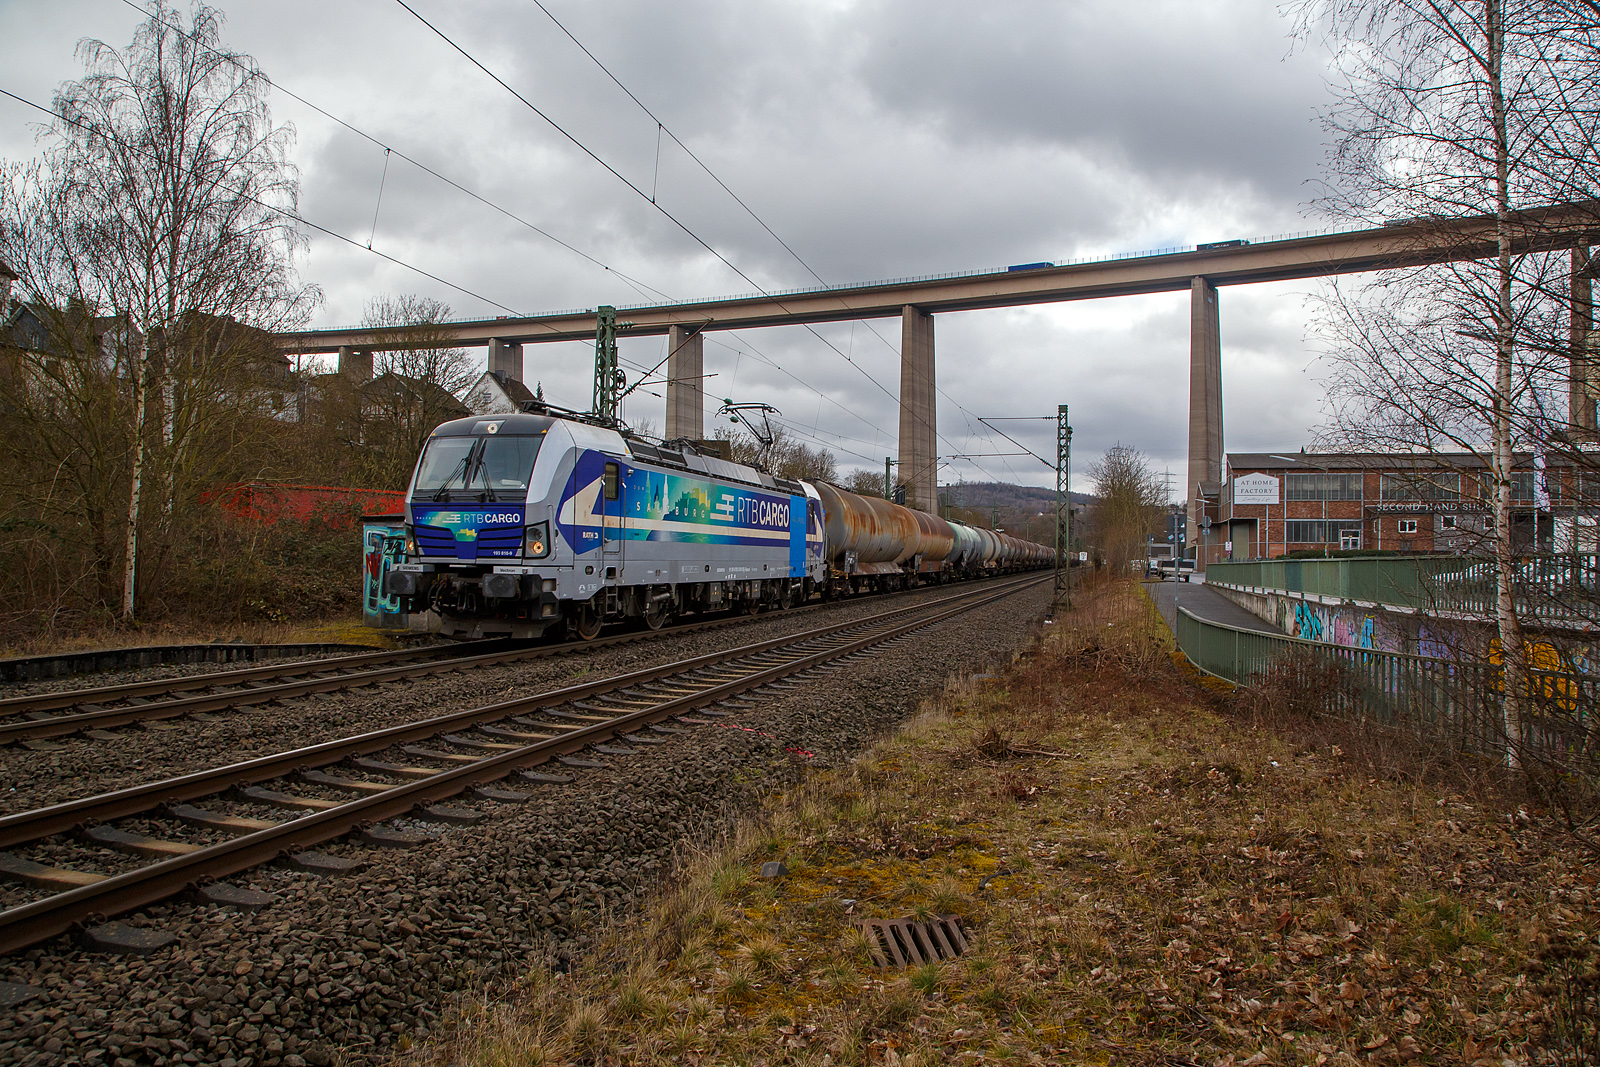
(1255, 489)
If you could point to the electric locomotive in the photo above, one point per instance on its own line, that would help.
(519, 523)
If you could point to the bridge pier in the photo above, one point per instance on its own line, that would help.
(355, 364)
(1583, 374)
(505, 360)
(1205, 404)
(919, 460)
(686, 394)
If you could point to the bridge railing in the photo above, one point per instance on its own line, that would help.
(1456, 702)
(1562, 589)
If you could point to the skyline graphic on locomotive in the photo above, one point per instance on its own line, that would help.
(519, 523)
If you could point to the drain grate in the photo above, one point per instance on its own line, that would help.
(908, 942)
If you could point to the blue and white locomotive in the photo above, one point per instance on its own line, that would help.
(518, 523)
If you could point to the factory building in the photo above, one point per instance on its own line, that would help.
(1273, 505)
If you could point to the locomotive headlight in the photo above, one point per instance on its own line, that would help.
(411, 542)
(537, 542)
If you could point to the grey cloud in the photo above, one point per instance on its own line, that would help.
(880, 139)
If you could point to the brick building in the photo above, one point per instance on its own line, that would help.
(1275, 504)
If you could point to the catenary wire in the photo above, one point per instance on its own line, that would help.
(289, 214)
(634, 283)
(638, 286)
(638, 191)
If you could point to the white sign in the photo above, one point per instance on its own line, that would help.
(1083, 557)
(1227, 546)
(1255, 489)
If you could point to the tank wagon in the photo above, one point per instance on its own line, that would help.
(519, 524)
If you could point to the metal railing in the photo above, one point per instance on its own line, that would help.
(1456, 701)
(1556, 588)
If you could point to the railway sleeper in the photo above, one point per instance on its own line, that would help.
(276, 799)
(399, 770)
(138, 844)
(348, 785)
(434, 754)
(213, 820)
(40, 876)
(473, 742)
(518, 735)
(448, 815)
(388, 837)
(499, 796)
(523, 720)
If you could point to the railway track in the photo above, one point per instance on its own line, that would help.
(472, 752)
(36, 719)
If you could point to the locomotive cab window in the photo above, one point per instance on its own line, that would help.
(468, 467)
(613, 482)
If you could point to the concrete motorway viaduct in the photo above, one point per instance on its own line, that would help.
(916, 301)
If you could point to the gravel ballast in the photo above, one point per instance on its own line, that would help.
(350, 966)
(77, 766)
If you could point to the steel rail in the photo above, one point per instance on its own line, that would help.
(20, 730)
(22, 827)
(31, 923)
(22, 705)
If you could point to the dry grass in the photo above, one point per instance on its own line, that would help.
(1149, 873)
(339, 630)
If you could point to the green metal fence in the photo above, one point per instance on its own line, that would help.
(1563, 589)
(1455, 701)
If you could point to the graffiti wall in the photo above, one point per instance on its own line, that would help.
(384, 546)
(1337, 625)
(1386, 631)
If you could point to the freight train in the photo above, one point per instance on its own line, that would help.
(519, 524)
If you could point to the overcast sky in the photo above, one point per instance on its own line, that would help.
(877, 139)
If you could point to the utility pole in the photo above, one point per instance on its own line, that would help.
(608, 380)
(888, 478)
(1063, 589)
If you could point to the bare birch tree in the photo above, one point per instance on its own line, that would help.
(163, 214)
(1450, 109)
(1128, 502)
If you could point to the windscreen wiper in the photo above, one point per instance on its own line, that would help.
(482, 468)
(464, 469)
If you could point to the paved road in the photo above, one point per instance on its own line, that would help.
(1204, 603)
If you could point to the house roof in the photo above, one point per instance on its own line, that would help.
(511, 388)
(1313, 462)
(432, 392)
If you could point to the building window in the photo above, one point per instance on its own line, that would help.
(1447, 522)
(1408, 526)
(1522, 487)
(1421, 485)
(1588, 487)
(1322, 486)
(1318, 531)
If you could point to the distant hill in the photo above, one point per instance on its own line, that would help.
(1024, 510)
(1016, 499)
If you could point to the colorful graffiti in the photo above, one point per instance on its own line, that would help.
(1337, 625)
(1549, 673)
(385, 546)
(1307, 622)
